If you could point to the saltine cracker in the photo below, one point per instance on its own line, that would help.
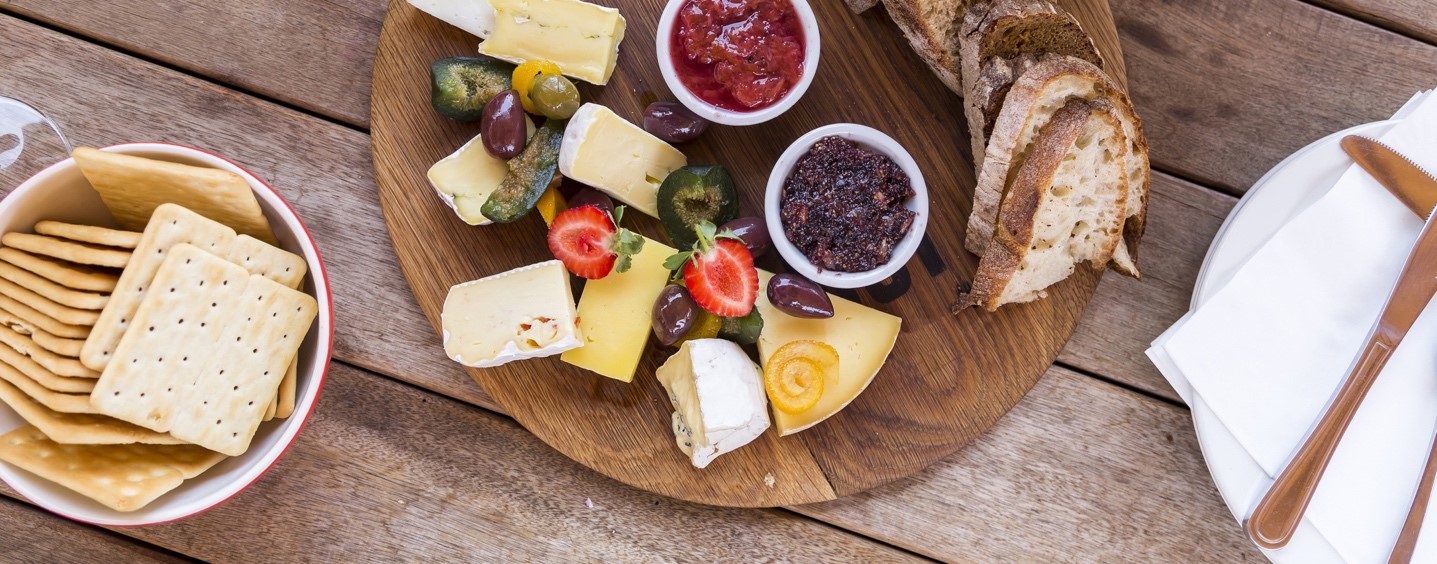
(79, 429)
(75, 276)
(70, 251)
(92, 234)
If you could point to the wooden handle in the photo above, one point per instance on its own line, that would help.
(1277, 515)
(1407, 540)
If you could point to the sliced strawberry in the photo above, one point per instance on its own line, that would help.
(722, 279)
(588, 241)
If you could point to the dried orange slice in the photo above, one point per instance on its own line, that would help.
(795, 375)
(524, 76)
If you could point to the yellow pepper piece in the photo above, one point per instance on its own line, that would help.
(796, 374)
(551, 203)
(706, 326)
(524, 76)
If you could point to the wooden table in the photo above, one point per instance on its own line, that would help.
(406, 458)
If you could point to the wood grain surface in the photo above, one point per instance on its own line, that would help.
(29, 535)
(948, 377)
(1416, 18)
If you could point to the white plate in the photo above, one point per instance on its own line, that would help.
(1281, 194)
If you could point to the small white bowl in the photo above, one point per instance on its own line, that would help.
(872, 140)
(715, 114)
(61, 192)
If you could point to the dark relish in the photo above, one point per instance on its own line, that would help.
(843, 206)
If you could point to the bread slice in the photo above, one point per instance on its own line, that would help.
(932, 29)
(1066, 205)
(859, 6)
(1037, 94)
(1000, 40)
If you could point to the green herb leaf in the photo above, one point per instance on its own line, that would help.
(618, 215)
(728, 234)
(676, 261)
(623, 263)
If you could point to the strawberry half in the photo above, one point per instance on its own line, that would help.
(719, 273)
(589, 242)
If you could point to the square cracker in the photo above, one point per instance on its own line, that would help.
(58, 345)
(92, 234)
(226, 381)
(47, 288)
(46, 378)
(47, 306)
(171, 225)
(79, 253)
(285, 268)
(121, 477)
(75, 276)
(60, 365)
(34, 318)
(55, 401)
(133, 187)
(79, 429)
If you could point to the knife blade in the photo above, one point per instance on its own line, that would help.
(1409, 183)
(1277, 515)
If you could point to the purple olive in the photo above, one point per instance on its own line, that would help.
(754, 233)
(592, 197)
(674, 314)
(799, 297)
(672, 122)
(502, 126)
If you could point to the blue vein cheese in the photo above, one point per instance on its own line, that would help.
(465, 179)
(581, 38)
(473, 16)
(607, 152)
(527, 312)
(718, 398)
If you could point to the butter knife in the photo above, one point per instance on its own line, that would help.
(1277, 515)
(1407, 182)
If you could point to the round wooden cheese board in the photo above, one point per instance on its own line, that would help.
(948, 378)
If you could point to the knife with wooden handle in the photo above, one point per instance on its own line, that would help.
(1406, 181)
(1277, 515)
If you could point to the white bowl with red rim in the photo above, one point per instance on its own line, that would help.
(61, 193)
(869, 139)
(663, 44)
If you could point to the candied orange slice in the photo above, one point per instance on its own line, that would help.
(524, 76)
(795, 375)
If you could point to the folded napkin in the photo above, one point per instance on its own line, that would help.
(1269, 349)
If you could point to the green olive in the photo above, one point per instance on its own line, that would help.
(554, 96)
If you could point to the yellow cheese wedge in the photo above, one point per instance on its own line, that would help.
(615, 311)
(862, 336)
(581, 38)
(607, 152)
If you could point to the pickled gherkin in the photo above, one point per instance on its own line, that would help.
(460, 86)
(529, 175)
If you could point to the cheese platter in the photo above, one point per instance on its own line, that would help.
(658, 317)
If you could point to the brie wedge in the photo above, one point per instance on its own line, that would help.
(473, 16)
(607, 152)
(466, 178)
(527, 312)
(718, 398)
(581, 38)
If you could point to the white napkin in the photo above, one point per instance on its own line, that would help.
(1267, 352)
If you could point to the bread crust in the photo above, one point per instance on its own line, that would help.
(931, 28)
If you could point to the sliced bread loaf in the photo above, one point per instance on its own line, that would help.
(1031, 102)
(999, 40)
(932, 29)
(1066, 205)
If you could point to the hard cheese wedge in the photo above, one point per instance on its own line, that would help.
(615, 311)
(607, 152)
(581, 38)
(473, 16)
(862, 336)
(465, 178)
(718, 398)
(527, 312)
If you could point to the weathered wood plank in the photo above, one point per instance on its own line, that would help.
(315, 55)
(29, 534)
(394, 473)
(1077, 472)
(1227, 88)
(102, 97)
(1125, 314)
(1417, 18)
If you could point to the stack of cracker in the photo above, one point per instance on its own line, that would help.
(140, 360)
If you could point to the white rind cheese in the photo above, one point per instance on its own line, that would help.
(581, 38)
(605, 151)
(465, 179)
(473, 16)
(527, 312)
(718, 398)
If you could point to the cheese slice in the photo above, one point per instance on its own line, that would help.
(718, 398)
(581, 38)
(527, 312)
(862, 336)
(466, 178)
(615, 314)
(473, 16)
(607, 152)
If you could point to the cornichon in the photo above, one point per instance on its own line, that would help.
(462, 85)
(529, 175)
